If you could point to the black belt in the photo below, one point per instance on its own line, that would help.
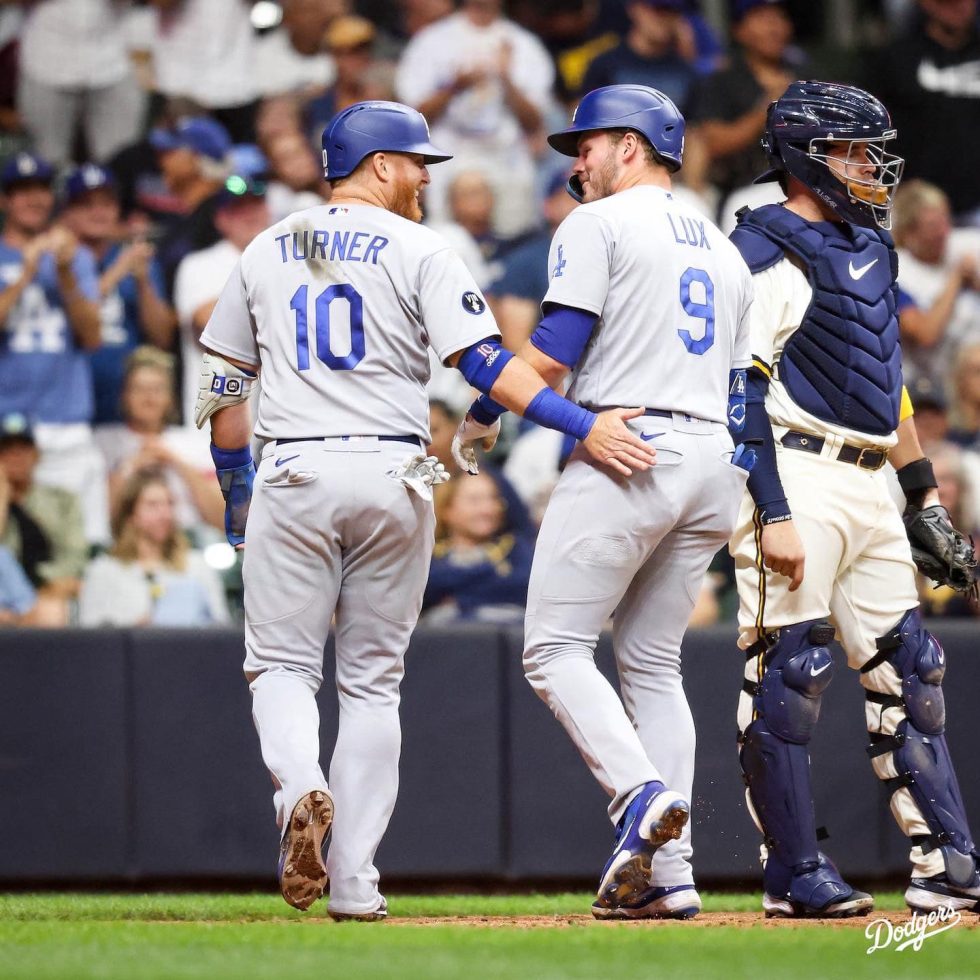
(867, 459)
(413, 440)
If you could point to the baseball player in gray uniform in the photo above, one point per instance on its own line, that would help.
(648, 306)
(336, 306)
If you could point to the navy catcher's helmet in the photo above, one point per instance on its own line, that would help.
(636, 107)
(372, 127)
(810, 115)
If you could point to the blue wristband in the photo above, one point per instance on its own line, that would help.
(482, 363)
(554, 412)
(486, 411)
(236, 474)
(230, 459)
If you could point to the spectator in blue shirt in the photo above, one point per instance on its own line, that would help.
(49, 321)
(131, 283)
(650, 54)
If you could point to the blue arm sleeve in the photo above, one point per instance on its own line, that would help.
(236, 474)
(764, 483)
(563, 333)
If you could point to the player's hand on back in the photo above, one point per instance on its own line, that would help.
(782, 551)
(610, 442)
(464, 442)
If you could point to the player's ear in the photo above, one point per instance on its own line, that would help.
(380, 164)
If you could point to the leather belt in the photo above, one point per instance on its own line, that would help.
(661, 413)
(867, 459)
(412, 440)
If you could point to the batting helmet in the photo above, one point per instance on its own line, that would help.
(810, 115)
(372, 127)
(636, 107)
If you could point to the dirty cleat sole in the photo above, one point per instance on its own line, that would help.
(376, 915)
(302, 872)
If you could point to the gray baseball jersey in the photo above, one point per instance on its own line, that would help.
(672, 294)
(336, 305)
(339, 304)
(673, 297)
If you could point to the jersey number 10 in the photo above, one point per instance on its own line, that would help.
(700, 311)
(338, 292)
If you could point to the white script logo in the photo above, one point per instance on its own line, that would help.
(913, 933)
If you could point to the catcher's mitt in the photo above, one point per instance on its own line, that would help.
(939, 551)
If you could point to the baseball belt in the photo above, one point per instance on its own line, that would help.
(867, 459)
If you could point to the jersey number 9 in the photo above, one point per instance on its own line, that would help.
(700, 311)
(338, 292)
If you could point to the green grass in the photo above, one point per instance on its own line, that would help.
(137, 937)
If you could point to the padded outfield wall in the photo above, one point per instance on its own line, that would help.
(129, 756)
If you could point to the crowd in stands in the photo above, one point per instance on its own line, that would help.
(143, 144)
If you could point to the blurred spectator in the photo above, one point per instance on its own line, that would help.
(416, 15)
(296, 175)
(11, 137)
(729, 106)
(442, 427)
(204, 50)
(939, 271)
(147, 440)
(928, 80)
(193, 157)
(483, 83)
(471, 206)
(954, 495)
(360, 75)
(534, 464)
(75, 69)
(478, 570)
(657, 51)
(931, 411)
(41, 526)
(131, 284)
(150, 577)
(49, 317)
(240, 213)
(18, 599)
(965, 416)
(291, 58)
(516, 294)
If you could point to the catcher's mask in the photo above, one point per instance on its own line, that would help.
(811, 117)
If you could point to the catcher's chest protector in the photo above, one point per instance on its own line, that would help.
(844, 363)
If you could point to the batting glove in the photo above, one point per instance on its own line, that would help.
(420, 473)
(469, 432)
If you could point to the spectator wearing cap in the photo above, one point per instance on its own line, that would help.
(484, 83)
(729, 106)
(360, 75)
(194, 159)
(240, 214)
(965, 413)
(652, 53)
(291, 59)
(75, 70)
(939, 277)
(49, 321)
(40, 525)
(203, 51)
(131, 284)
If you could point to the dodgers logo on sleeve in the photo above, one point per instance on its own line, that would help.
(560, 264)
(473, 303)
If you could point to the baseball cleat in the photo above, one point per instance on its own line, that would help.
(842, 907)
(381, 912)
(937, 892)
(302, 873)
(655, 815)
(657, 902)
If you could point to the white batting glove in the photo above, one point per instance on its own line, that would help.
(420, 473)
(469, 432)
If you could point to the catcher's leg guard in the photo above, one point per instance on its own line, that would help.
(795, 668)
(908, 748)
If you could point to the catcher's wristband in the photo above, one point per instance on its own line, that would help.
(915, 479)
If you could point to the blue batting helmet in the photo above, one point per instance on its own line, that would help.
(636, 107)
(810, 115)
(372, 127)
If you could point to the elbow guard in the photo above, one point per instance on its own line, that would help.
(221, 384)
(482, 363)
